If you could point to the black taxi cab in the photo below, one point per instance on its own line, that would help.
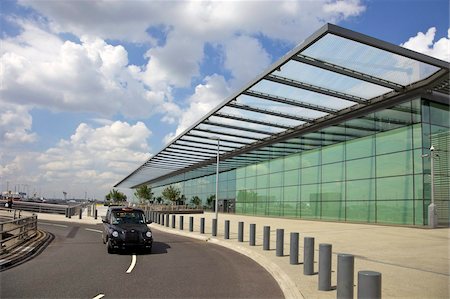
(126, 228)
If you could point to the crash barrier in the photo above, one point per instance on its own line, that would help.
(369, 282)
(16, 231)
(38, 207)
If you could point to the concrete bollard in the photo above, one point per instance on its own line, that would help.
(324, 267)
(266, 238)
(252, 241)
(241, 231)
(191, 223)
(345, 276)
(95, 214)
(227, 229)
(167, 220)
(214, 227)
(173, 221)
(280, 242)
(181, 222)
(202, 225)
(308, 256)
(293, 252)
(369, 285)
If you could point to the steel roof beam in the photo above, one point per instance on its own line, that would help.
(316, 89)
(189, 153)
(194, 150)
(207, 143)
(268, 112)
(346, 72)
(208, 122)
(221, 139)
(253, 121)
(181, 157)
(287, 101)
(224, 134)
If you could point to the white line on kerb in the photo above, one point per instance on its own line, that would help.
(99, 296)
(133, 263)
(93, 230)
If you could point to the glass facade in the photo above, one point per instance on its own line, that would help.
(368, 169)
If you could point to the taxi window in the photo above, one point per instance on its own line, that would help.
(127, 217)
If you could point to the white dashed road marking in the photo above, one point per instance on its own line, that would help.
(99, 296)
(133, 263)
(93, 230)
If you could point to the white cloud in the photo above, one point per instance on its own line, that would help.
(424, 43)
(15, 125)
(93, 159)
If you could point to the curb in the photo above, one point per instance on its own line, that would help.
(287, 286)
(26, 251)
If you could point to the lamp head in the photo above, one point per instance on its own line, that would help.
(432, 148)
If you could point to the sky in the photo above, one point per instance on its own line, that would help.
(89, 90)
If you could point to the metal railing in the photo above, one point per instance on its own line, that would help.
(16, 231)
(44, 207)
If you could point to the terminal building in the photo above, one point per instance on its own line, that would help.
(339, 129)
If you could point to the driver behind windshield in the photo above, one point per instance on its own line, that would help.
(127, 217)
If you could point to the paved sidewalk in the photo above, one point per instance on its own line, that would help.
(414, 262)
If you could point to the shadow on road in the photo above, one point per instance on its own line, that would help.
(158, 248)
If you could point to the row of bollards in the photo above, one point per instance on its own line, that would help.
(369, 282)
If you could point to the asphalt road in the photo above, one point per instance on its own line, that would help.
(76, 265)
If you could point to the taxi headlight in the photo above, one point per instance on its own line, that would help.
(115, 234)
(148, 234)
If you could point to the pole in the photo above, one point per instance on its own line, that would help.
(217, 180)
(432, 217)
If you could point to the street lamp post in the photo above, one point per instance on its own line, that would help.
(432, 212)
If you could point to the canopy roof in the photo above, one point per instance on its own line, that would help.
(299, 103)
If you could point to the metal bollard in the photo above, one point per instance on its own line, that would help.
(202, 225)
(308, 256)
(173, 221)
(266, 238)
(181, 222)
(80, 216)
(214, 227)
(167, 220)
(227, 229)
(241, 231)
(280, 242)
(191, 223)
(324, 267)
(67, 212)
(293, 253)
(162, 219)
(345, 276)
(95, 214)
(252, 241)
(369, 285)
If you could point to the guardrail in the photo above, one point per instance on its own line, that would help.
(44, 207)
(16, 231)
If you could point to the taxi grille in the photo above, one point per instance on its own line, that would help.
(132, 237)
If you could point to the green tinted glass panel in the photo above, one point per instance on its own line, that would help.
(418, 187)
(394, 140)
(240, 173)
(418, 161)
(310, 175)
(276, 179)
(360, 168)
(275, 194)
(395, 164)
(239, 208)
(250, 170)
(290, 193)
(333, 210)
(420, 214)
(360, 190)
(394, 188)
(416, 110)
(261, 208)
(290, 209)
(241, 195)
(396, 212)
(310, 209)
(262, 181)
(250, 182)
(439, 115)
(333, 172)
(262, 168)
(310, 158)
(291, 177)
(360, 211)
(333, 191)
(274, 209)
(310, 192)
(333, 153)
(276, 165)
(240, 184)
(262, 195)
(417, 135)
(292, 162)
(426, 136)
(360, 148)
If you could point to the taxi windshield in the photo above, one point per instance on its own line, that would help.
(127, 217)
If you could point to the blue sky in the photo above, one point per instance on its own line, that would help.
(90, 89)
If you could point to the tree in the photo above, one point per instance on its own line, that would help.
(116, 196)
(171, 193)
(144, 193)
(210, 199)
(195, 200)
